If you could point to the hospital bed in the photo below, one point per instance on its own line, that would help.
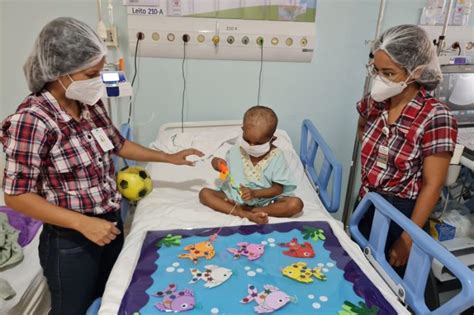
(174, 203)
(26, 278)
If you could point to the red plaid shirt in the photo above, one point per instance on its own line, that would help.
(425, 127)
(52, 155)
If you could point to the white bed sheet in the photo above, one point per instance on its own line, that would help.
(174, 204)
(26, 278)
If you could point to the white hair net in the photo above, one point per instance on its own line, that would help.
(410, 47)
(65, 45)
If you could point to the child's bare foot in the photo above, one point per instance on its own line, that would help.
(258, 209)
(258, 217)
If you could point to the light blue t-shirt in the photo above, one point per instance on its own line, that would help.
(271, 169)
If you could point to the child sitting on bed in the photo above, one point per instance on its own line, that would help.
(262, 184)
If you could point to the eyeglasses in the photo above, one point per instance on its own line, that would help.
(384, 75)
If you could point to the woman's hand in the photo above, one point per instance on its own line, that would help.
(99, 231)
(217, 162)
(435, 169)
(179, 158)
(400, 250)
(246, 193)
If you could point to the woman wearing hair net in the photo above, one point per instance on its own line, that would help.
(58, 147)
(407, 135)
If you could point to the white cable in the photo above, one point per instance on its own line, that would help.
(99, 9)
(110, 7)
(143, 123)
(101, 28)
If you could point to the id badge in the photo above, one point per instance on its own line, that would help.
(102, 139)
(382, 157)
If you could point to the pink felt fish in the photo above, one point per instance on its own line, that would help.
(269, 300)
(175, 302)
(251, 250)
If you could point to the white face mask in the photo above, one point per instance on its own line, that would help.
(255, 150)
(384, 89)
(85, 91)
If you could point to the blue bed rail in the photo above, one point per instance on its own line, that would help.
(311, 141)
(94, 307)
(411, 288)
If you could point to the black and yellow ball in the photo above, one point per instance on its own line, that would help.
(134, 183)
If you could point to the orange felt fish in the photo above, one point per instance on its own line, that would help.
(203, 249)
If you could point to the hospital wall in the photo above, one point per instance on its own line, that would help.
(324, 90)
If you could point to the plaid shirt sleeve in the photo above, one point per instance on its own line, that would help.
(362, 108)
(114, 134)
(117, 139)
(24, 139)
(440, 133)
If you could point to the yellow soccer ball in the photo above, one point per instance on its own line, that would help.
(134, 183)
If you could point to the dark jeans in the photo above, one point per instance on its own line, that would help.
(76, 269)
(405, 206)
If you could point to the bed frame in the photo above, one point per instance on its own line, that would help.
(411, 288)
(311, 142)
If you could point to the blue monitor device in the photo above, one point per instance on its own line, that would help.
(112, 81)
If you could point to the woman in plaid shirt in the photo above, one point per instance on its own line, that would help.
(407, 135)
(58, 147)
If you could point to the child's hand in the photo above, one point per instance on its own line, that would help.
(246, 193)
(216, 162)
